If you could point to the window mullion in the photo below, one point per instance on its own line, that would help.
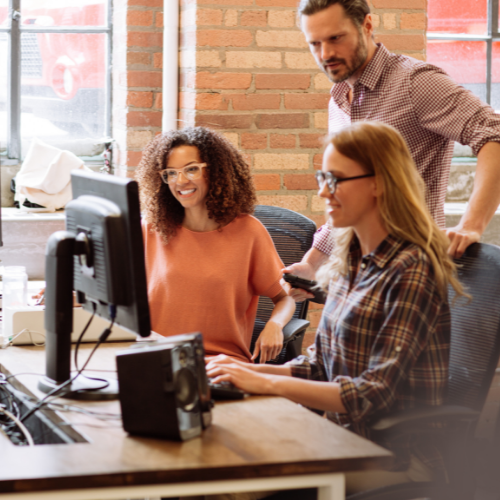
(492, 30)
(489, 51)
(493, 16)
(15, 30)
(108, 83)
(14, 85)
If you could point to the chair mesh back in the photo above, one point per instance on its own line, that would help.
(292, 234)
(475, 327)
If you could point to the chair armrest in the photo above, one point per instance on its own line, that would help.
(293, 329)
(412, 420)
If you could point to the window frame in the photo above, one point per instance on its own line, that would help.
(14, 30)
(491, 35)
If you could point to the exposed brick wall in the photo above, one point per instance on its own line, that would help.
(245, 70)
(401, 25)
(137, 79)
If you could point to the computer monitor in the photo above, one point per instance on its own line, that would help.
(101, 257)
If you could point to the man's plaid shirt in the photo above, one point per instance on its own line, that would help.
(427, 107)
(384, 337)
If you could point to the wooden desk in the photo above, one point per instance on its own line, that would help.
(261, 443)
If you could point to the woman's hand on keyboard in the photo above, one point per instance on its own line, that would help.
(239, 374)
(222, 359)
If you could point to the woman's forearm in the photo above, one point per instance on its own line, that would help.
(319, 395)
(284, 307)
(277, 381)
(282, 370)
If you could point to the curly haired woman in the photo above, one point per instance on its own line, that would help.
(207, 259)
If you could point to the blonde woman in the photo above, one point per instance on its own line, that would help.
(383, 339)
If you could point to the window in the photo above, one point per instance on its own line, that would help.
(463, 39)
(54, 74)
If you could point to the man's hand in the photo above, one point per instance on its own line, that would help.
(460, 239)
(269, 343)
(306, 269)
(303, 270)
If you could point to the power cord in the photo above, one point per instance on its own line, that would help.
(62, 407)
(30, 333)
(9, 409)
(77, 347)
(20, 426)
(55, 392)
(12, 413)
(79, 341)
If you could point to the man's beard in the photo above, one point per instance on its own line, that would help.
(358, 59)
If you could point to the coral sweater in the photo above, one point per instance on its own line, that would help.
(210, 282)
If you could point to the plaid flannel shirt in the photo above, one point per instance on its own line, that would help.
(427, 107)
(384, 338)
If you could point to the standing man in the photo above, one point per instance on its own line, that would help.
(420, 100)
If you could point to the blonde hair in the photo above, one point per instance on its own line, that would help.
(380, 149)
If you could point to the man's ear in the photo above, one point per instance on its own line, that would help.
(367, 26)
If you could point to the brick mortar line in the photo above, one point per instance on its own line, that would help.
(141, 8)
(398, 11)
(400, 31)
(228, 92)
(149, 50)
(143, 29)
(249, 8)
(249, 112)
(246, 49)
(144, 89)
(195, 29)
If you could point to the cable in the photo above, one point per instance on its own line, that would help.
(8, 395)
(22, 373)
(77, 347)
(77, 409)
(102, 338)
(78, 342)
(20, 425)
(30, 333)
(85, 424)
(61, 407)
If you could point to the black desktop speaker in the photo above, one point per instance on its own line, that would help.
(163, 388)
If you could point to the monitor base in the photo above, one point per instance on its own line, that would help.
(83, 389)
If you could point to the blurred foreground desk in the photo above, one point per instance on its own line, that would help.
(261, 443)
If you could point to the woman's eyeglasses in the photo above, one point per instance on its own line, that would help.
(332, 181)
(191, 172)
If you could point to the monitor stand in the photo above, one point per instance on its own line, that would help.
(62, 246)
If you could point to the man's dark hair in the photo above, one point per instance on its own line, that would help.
(355, 10)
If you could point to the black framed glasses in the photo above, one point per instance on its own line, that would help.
(332, 181)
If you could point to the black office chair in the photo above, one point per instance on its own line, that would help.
(474, 354)
(292, 234)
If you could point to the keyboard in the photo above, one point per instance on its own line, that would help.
(225, 390)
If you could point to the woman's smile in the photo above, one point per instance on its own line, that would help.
(186, 193)
(190, 193)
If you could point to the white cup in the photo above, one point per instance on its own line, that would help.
(14, 296)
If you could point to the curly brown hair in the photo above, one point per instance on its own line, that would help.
(230, 187)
